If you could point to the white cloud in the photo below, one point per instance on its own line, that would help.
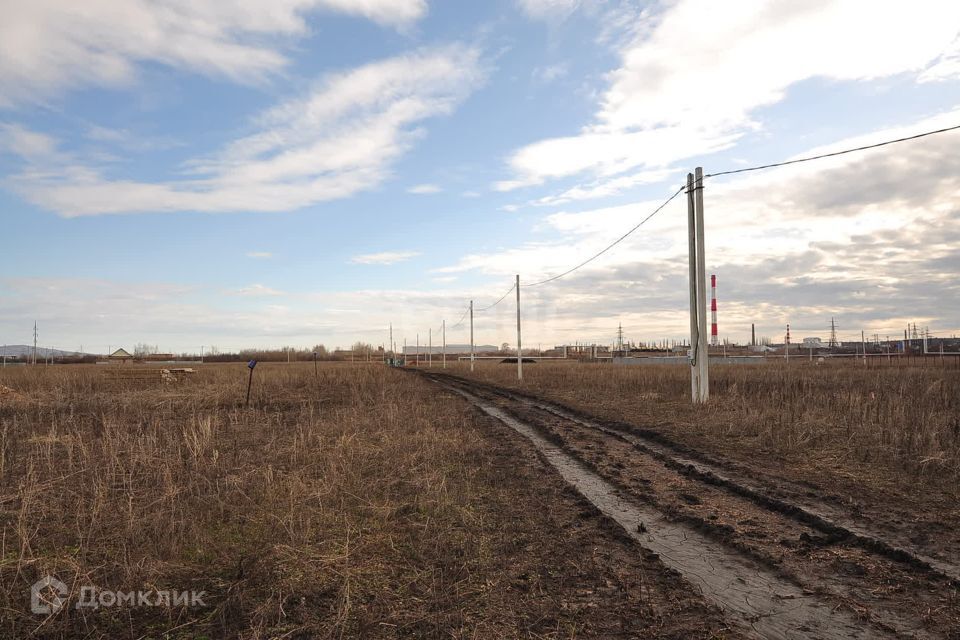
(257, 290)
(341, 138)
(259, 254)
(49, 45)
(606, 187)
(689, 83)
(384, 257)
(551, 72)
(549, 9)
(424, 189)
(870, 237)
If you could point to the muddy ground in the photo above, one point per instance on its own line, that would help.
(873, 561)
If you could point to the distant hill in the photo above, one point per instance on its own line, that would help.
(16, 350)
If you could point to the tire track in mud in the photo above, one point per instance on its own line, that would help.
(760, 590)
(769, 605)
(822, 516)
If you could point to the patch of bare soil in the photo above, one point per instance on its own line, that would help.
(570, 572)
(790, 527)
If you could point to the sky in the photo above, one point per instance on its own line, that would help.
(260, 173)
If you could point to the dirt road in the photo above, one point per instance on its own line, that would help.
(781, 559)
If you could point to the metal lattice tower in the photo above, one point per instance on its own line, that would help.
(833, 334)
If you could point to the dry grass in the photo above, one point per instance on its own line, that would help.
(902, 422)
(359, 503)
(348, 505)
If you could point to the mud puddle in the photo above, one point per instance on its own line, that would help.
(766, 603)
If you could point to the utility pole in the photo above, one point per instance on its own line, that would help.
(692, 260)
(430, 347)
(392, 355)
(699, 360)
(702, 291)
(201, 354)
(416, 357)
(786, 346)
(34, 343)
(863, 345)
(519, 347)
(471, 336)
(443, 327)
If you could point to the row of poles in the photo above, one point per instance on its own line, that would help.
(699, 361)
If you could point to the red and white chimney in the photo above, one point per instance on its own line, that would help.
(714, 339)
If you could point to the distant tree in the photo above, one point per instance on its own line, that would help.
(142, 350)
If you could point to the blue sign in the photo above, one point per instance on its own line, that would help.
(252, 364)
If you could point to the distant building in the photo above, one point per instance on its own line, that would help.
(120, 355)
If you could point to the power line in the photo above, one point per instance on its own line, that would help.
(460, 321)
(611, 245)
(497, 302)
(833, 153)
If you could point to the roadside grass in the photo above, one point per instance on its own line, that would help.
(902, 422)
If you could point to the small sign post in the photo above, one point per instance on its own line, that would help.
(250, 365)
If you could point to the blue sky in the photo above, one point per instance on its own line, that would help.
(304, 171)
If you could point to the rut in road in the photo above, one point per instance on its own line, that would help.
(771, 606)
(896, 594)
(824, 516)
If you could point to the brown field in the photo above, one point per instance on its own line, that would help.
(358, 503)
(889, 425)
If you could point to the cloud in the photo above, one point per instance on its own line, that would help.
(868, 237)
(551, 73)
(384, 257)
(47, 46)
(424, 189)
(256, 290)
(259, 254)
(683, 90)
(549, 9)
(338, 139)
(606, 187)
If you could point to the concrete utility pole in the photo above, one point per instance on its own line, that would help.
(692, 260)
(443, 327)
(519, 347)
(416, 357)
(863, 345)
(699, 362)
(471, 336)
(34, 343)
(430, 347)
(392, 355)
(702, 291)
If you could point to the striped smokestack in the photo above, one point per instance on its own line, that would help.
(714, 340)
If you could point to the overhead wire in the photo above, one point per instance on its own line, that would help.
(476, 310)
(832, 153)
(612, 244)
(683, 187)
